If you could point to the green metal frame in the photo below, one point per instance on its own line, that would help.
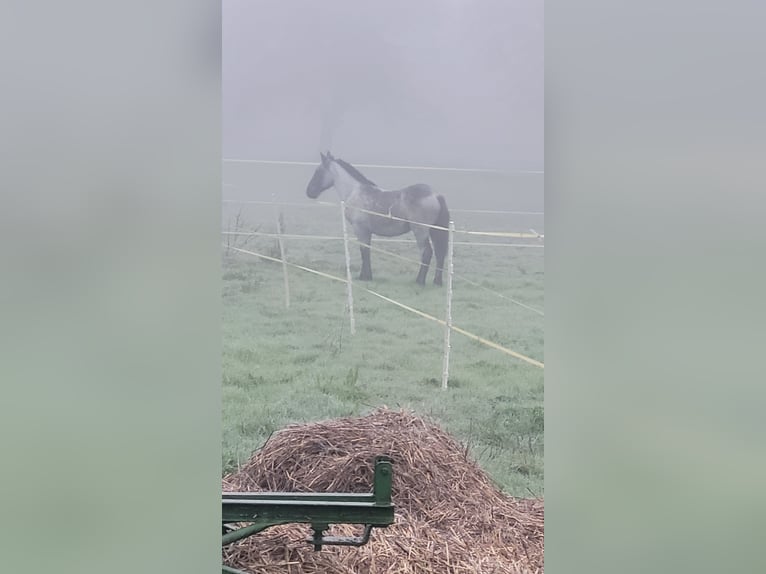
(261, 510)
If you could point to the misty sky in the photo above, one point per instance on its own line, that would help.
(427, 82)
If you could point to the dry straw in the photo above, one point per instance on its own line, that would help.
(450, 518)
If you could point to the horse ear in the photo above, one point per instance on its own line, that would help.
(324, 158)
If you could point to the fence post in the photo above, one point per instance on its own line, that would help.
(278, 215)
(448, 320)
(348, 269)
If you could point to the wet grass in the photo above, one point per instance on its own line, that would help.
(301, 364)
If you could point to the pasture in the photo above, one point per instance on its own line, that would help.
(301, 364)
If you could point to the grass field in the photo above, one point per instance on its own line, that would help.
(301, 364)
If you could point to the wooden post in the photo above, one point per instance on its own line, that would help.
(448, 320)
(349, 284)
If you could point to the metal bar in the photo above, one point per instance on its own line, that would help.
(307, 512)
(300, 496)
(318, 540)
(246, 531)
(265, 509)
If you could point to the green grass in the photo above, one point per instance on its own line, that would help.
(301, 364)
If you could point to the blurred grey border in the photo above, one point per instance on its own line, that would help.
(110, 349)
(655, 452)
(110, 414)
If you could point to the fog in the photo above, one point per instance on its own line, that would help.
(430, 82)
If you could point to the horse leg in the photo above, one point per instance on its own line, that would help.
(440, 239)
(366, 272)
(425, 262)
(424, 244)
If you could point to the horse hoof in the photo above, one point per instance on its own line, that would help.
(437, 282)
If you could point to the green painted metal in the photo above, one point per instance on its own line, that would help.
(261, 510)
(245, 531)
(381, 484)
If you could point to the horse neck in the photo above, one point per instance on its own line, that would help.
(345, 184)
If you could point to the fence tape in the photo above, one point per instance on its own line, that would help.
(497, 211)
(402, 257)
(329, 203)
(269, 258)
(402, 305)
(461, 331)
(417, 167)
(497, 294)
(520, 235)
(287, 235)
(461, 277)
(533, 235)
(377, 239)
(484, 233)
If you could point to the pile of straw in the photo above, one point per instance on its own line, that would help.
(450, 518)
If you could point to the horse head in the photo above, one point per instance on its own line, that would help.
(322, 178)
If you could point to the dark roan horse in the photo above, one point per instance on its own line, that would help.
(417, 204)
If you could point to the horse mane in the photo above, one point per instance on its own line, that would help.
(355, 173)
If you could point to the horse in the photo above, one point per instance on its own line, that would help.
(413, 208)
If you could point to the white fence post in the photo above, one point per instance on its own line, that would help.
(278, 215)
(348, 269)
(448, 320)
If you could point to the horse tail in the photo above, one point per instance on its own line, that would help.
(440, 237)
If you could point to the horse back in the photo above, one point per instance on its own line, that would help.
(415, 193)
(419, 203)
(414, 203)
